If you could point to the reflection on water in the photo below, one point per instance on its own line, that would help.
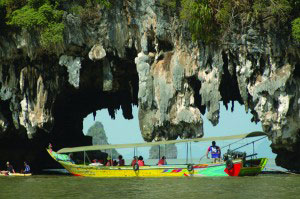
(54, 186)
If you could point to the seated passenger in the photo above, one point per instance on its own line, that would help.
(141, 161)
(115, 163)
(4, 172)
(71, 158)
(135, 159)
(50, 147)
(162, 161)
(101, 161)
(10, 168)
(95, 163)
(121, 161)
(27, 168)
(109, 161)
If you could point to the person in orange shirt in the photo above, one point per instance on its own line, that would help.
(135, 159)
(162, 161)
(141, 161)
(109, 161)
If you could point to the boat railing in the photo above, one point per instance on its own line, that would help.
(248, 144)
(253, 155)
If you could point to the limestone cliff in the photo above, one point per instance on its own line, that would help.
(139, 53)
(97, 132)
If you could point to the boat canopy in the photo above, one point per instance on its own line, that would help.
(147, 144)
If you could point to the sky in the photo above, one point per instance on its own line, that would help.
(122, 131)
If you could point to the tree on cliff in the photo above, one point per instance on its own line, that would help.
(170, 151)
(209, 20)
(99, 137)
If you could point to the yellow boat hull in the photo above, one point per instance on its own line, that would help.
(123, 171)
(17, 174)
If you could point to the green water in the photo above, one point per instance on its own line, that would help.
(54, 186)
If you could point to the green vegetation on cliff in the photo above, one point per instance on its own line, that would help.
(41, 16)
(296, 29)
(210, 19)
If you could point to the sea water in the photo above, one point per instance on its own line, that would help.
(67, 186)
(55, 186)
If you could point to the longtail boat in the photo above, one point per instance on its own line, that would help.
(16, 174)
(235, 163)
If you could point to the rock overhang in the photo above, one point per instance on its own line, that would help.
(138, 55)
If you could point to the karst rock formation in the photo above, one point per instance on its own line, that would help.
(139, 53)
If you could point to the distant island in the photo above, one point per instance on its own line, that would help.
(170, 152)
(97, 132)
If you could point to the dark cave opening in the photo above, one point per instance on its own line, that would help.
(72, 105)
(196, 86)
(165, 45)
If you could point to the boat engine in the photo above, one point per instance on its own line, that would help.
(234, 155)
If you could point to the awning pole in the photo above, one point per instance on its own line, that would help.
(84, 157)
(187, 153)
(87, 156)
(111, 155)
(191, 152)
(159, 152)
(253, 150)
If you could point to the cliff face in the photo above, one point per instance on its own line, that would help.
(139, 53)
(97, 132)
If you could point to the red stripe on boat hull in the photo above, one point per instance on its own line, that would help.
(75, 174)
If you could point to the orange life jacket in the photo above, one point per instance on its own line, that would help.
(161, 162)
(133, 162)
(109, 163)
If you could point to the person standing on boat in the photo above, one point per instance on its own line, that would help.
(215, 152)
